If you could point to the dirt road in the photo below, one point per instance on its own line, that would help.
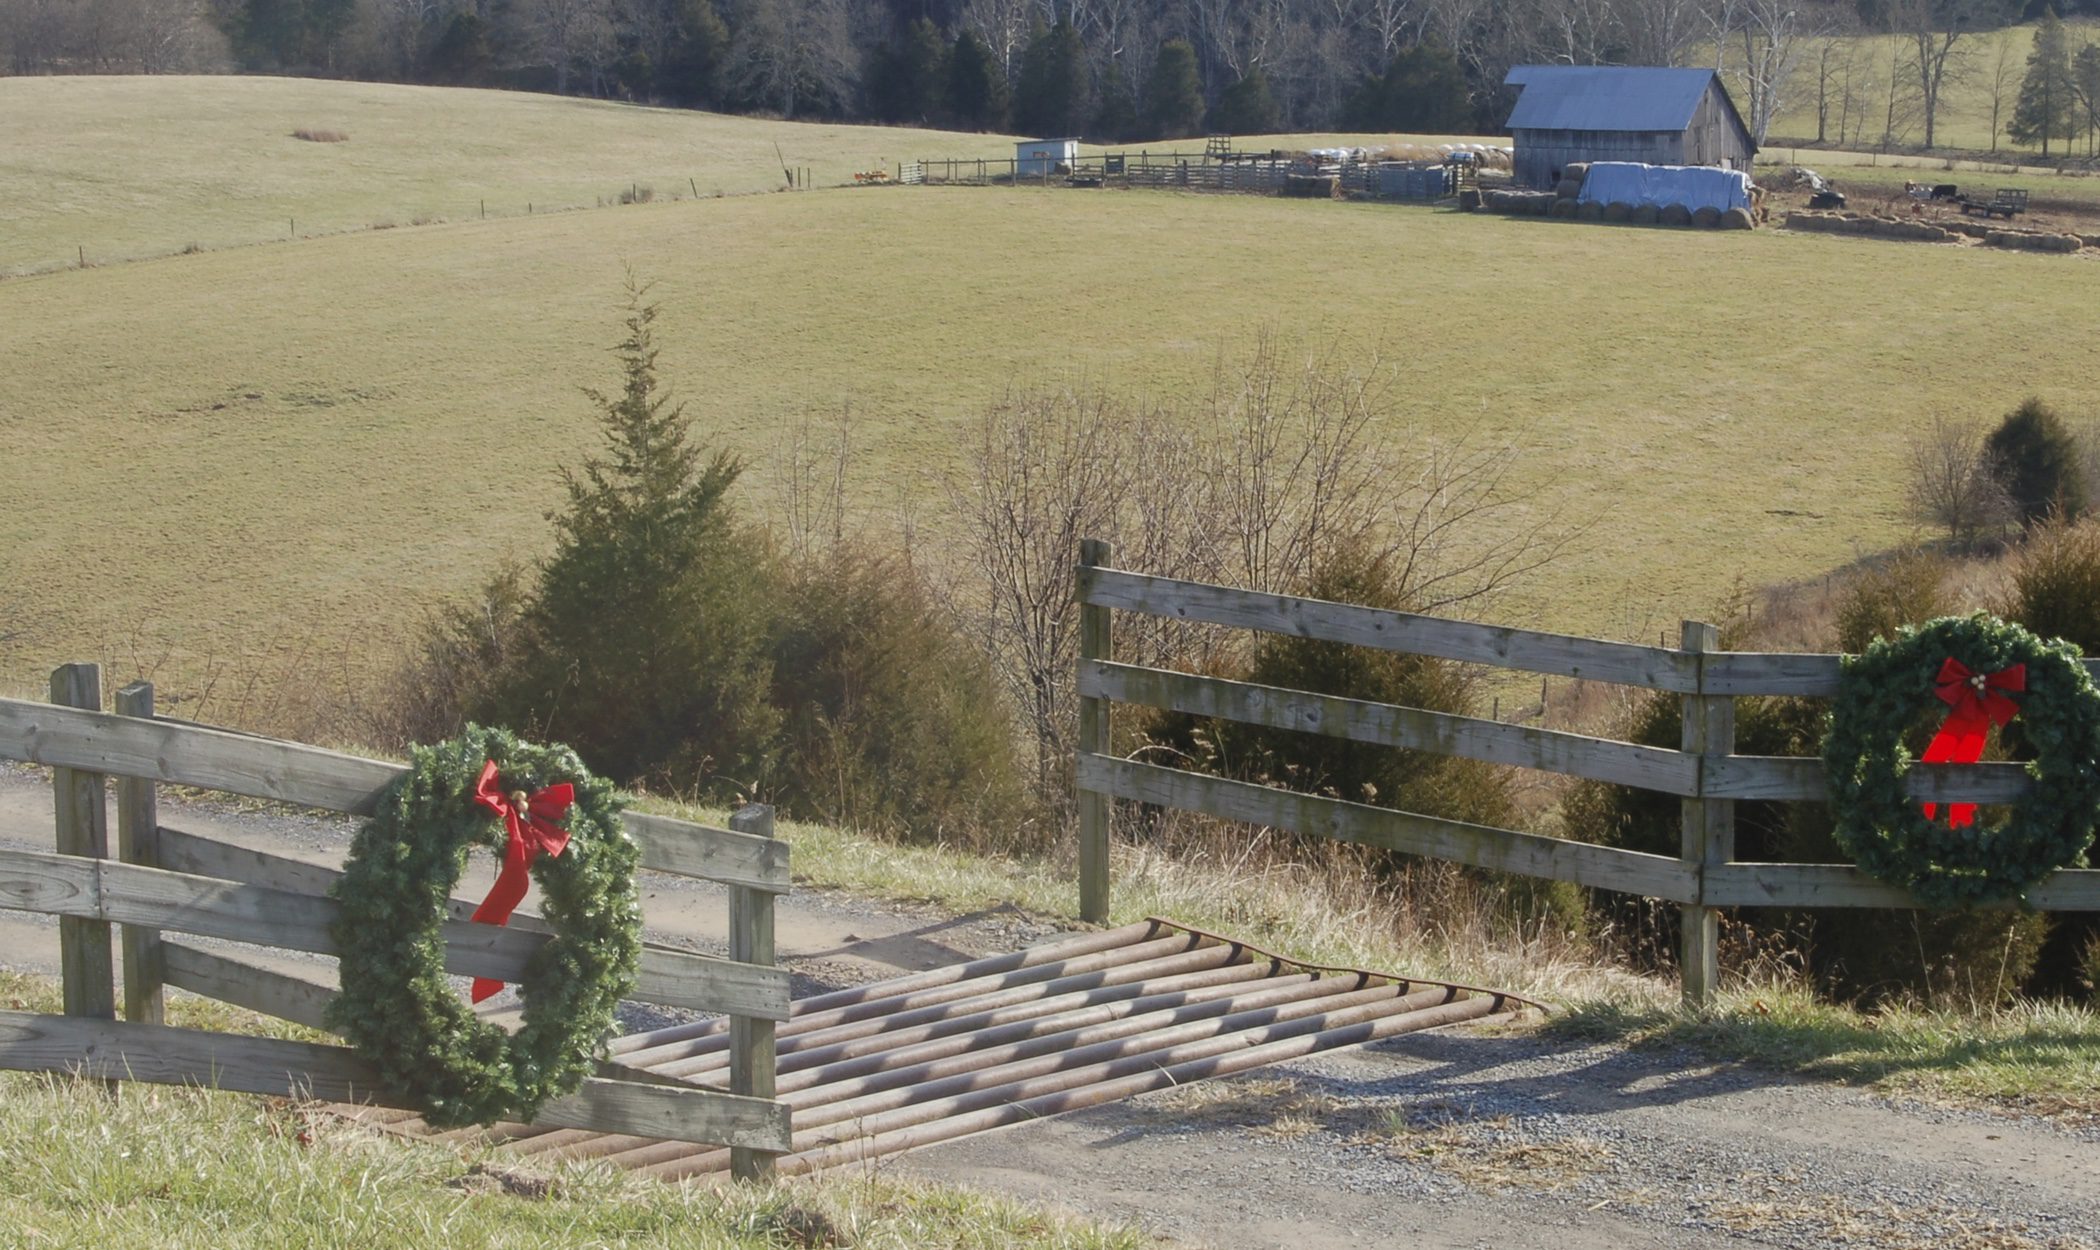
(1458, 1139)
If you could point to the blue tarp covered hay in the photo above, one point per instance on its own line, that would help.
(1694, 186)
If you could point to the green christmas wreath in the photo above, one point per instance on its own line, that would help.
(1974, 671)
(397, 1008)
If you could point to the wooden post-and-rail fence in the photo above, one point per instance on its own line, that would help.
(1704, 772)
(165, 881)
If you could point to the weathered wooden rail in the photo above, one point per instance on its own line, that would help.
(165, 880)
(1704, 772)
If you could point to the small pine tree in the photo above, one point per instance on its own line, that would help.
(691, 73)
(2037, 461)
(1173, 92)
(976, 84)
(644, 638)
(1247, 107)
(907, 78)
(1115, 107)
(1423, 91)
(2047, 105)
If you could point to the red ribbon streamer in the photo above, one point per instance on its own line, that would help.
(1978, 702)
(532, 830)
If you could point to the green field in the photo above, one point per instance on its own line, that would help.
(284, 454)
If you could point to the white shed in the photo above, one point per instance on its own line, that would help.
(1036, 158)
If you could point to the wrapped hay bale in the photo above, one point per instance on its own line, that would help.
(1645, 215)
(1589, 210)
(1542, 205)
(1618, 211)
(1311, 186)
(1737, 219)
(1575, 171)
(1468, 200)
(1675, 215)
(1563, 209)
(1567, 188)
(1706, 217)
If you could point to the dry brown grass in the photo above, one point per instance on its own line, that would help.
(1782, 1208)
(1488, 1152)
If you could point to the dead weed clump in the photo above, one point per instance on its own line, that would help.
(314, 134)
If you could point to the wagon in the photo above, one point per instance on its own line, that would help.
(2008, 202)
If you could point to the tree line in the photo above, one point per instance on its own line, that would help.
(1102, 69)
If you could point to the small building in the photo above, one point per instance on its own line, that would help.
(1039, 158)
(1646, 114)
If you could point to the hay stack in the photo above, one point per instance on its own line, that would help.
(1566, 210)
(2027, 242)
(1737, 219)
(1706, 217)
(1567, 188)
(1589, 210)
(1576, 170)
(1675, 215)
(1542, 205)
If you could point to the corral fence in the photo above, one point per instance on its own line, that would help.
(1246, 174)
(1704, 771)
(164, 880)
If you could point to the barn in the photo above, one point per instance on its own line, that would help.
(1638, 113)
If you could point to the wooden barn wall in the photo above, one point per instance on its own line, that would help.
(1541, 153)
(1715, 137)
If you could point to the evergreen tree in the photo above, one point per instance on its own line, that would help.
(976, 84)
(1115, 108)
(2085, 77)
(644, 641)
(460, 57)
(2048, 97)
(1247, 107)
(691, 74)
(907, 77)
(1173, 92)
(1050, 102)
(2036, 460)
(1423, 91)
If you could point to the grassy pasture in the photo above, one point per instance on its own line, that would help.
(143, 166)
(1964, 119)
(284, 454)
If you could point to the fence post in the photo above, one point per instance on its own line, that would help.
(751, 1055)
(1709, 824)
(83, 829)
(138, 842)
(1095, 643)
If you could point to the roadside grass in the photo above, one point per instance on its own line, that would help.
(2041, 1058)
(180, 1167)
(282, 483)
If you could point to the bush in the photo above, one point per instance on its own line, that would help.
(2038, 464)
(2056, 584)
(893, 722)
(1905, 589)
(1952, 483)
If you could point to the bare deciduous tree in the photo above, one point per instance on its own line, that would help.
(1952, 484)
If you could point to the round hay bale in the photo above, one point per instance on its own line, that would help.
(1675, 215)
(1563, 209)
(1618, 211)
(1567, 188)
(1737, 219)
(1542, 205)
(1645, 215)
(1575, 172)
(1589, 210)
(1498, 201)
(1706, 216)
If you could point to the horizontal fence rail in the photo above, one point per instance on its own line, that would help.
(170, 881)
(1704, 773)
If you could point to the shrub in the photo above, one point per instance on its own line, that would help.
(2038, 464)
(892, 721)
(1905, 589)
(2056, 584)
(1951, 483)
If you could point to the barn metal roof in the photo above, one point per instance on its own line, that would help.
(1605, 97)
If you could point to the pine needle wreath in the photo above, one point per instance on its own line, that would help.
(1889, 689)
(397, 1007)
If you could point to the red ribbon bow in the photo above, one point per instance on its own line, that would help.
(530, 823)
(1978, 702)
